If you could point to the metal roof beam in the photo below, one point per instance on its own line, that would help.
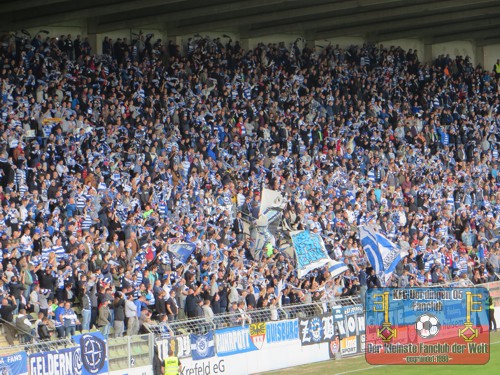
(202, 11)
(273, 16)
(488, 41)
(78, 11)
(14, 6)
(479, 33)
(441, 29)
(404, 27)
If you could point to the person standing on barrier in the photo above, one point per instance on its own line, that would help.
(165, 330)
(172, 364)
(493, 322)
(363, 278)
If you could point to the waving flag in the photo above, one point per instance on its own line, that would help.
(383, 255)
(182, 251)
(271, 203)
(336, 268)
(310, 251)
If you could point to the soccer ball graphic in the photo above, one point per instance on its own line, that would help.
(427, 326)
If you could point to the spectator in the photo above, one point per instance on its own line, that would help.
(207, 311)
(119, 318)
(44, 328)
(59, 313)
(69, 320)
(25, 330)
(121, 170)
(131, 315)
(172, 306)
(86, 309)
(104, 320)
(6, 312)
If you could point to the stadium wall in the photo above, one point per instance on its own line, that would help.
(343, 42)
(406, 44)
(458, 48)
(278, 357)
(286, 38)
(485, 56)
(57, 31)
(491, 55)
(144, 370)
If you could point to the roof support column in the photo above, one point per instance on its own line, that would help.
(90, 28)
(245, 43)
(96, 47)
(479, 51)
(427, 53)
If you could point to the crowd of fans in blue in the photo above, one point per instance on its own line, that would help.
(106, 160)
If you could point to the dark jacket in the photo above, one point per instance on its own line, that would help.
(6, 312)
(119, 305)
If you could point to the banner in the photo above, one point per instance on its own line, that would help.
(236, 340)
(94, 353)
(271, 203)
(182, 251)
(310, 251)
(51, 120)
(349, 346)
(258, 333)
(352, 321)
(16, 363)
(202, 346)
(61, 362)
(350, 329)
(383, 255)
(437, 326)
(316, 330)
(334, 348)
(264, 232)
(180, 345)
(283, 330)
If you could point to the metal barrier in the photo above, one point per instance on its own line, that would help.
(203, 325)
(130, 351)
(39, 346)
(136, 351)
(124, 352)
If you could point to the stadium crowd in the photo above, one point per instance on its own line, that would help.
(105, 161)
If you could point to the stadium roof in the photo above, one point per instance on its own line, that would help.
(377, 20)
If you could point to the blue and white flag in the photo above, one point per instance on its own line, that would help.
(272, 203)
(310, 251)
(182, 251)
(15, 363)
(94, 353)
(202, 346)
(383, 255)
(336, 268)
